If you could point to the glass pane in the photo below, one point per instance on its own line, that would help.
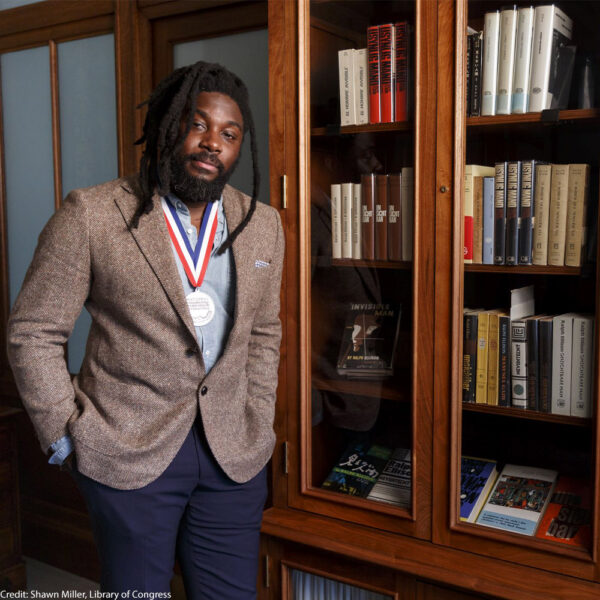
(246, 55)
(361, 219)
(27, 121)
(88, 123)
(6, 4)
(306, 586)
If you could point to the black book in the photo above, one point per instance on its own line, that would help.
(504, 364)
(533, 363)
(545, 364)
(527, 219)
(470, 323)
(513, 211)
(476, 73)
(500, 213)
(468, 69)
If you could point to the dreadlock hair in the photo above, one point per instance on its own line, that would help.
(167, 106)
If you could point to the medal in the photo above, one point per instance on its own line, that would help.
(202, 307)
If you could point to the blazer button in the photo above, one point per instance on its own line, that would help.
(204, 390)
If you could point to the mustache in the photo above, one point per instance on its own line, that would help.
(206, 157)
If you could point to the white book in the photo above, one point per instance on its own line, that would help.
(552, 26)
(541, 199)
(579, 178)
(361, 86)
(346, 74)
(491, 36)
(356, 221)
(506, 60)
(336, 221)
(562, 340)
(346, 220)
(407, 187)
(523, 49)
(581, 366)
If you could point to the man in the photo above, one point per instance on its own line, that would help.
(170, 418)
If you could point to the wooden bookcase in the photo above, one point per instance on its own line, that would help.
(423, 551)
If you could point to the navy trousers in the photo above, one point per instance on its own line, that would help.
(192, 511)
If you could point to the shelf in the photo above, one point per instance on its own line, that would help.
(386, 389)
(368, 128)
(544, 117)
(521, 413)
(327, 261)
(524, 269)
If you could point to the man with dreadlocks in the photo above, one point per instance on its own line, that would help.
(169, 424)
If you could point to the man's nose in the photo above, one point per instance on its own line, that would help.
(211, 141)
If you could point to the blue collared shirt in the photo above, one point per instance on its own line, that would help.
(219, 284)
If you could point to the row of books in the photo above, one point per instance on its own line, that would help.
(373, 471)
(375, 82)
(373, 220)
(539, 362)
(521, 62)
(526, 212)
(526, 500)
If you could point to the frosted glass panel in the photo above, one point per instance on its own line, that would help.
(88, 123)
(5, 4)
(27, 120)
(306, 586)
(246, 55)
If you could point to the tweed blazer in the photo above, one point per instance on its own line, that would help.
(143, 379)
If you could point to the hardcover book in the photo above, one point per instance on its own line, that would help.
(491, 38)
(488, 221)
(581, 366)
(346, 75)
(527, 212)
(504, 365)
(469, 378)
(394, 213)
(394, 485)
(524, 47)
(562, 339)
(356, 221)
(387, 68)
(374, 74)
(541, 195)
(557, 231)
(545, 364)
(477, 476)
(336, 220)
(513, 211)
(506, 59)
(579, 177)
(476, 73)
(368, 216)
(518, 355)
(408, 207)
(499, 213)
(381, 218)
(361, 89)
(471, 171)
(347, 220)
(402, 70)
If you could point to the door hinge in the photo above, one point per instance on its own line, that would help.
(267, 579)
(284, 191)
(285, 457)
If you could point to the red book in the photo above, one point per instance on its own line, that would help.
(387, 68)
(401, 70)
(374, 75)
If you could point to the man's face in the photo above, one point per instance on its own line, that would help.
(211, 149)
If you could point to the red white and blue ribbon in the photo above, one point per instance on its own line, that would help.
(194, 260)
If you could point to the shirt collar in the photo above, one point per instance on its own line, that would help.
(221, 233)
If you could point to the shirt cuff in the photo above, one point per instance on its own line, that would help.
(61, 449)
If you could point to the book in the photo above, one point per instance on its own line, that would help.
(568, 517)
(533, 362)
(523, 50)
(360, 88)
(387, 69)
(356, 221)
(518, 499)
(527, 212)
(562, 339)
(346, 75)
(513, 211)
(483, 325)
(545, 363)
(381, 219)
(469, 73)
(506, 59)
(394, 213)
(579, 178)
(336, 220)
(493, 357)
(402, 70)
(357, 469)
(518, 357)
(346, 220)
(368, 216)
(487, 253)
(552, 28)
(557, 225)
(477, 220)
(541, 195)
(469, 379)
(581, 366)
(504, 361)
(408, 206)
(499, 213)
(477, 477)
(368, 342)
(476, 73)
(394, 485)
(374, 74)
(471, 171)
(491, 37)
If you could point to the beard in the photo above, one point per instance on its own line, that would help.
(190, 188)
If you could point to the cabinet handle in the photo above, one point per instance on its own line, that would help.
(284, 191)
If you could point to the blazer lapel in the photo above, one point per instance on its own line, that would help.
(153, 241)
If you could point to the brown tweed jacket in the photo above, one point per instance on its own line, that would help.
(143, 381)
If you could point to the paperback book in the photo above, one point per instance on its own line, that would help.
(394, 483)
(477, 476)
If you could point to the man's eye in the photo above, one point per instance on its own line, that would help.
(230, 136)
(198, 125)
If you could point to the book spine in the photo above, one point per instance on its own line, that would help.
(469, 357)
(488, 221)
(410, 78)
(518, 353)
(513, 206)
(491, 36)
(581, 367)
(545, 365)
(381, 202)
(579, 176)
(526, 219)
(524, 45)
(533, 363)
(346, 220)
(346, 69)
(499, 213)
(483, 324)
(559, 196)
(386, 68)
(374, 74)
(541, 203)
(468, 212)
(493, 355)
(361, 91)
(469, 72)
(506, 60)
(356, 221)
(477, 220)
(336, 220)
(402, 67)
(504, 363)
(408, 207)
(368, 216)
(477, 66)
(394, 213)
(562, 338)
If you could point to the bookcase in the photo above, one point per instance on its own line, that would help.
(421, 550)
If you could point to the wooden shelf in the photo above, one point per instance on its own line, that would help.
(524, 269)
(327, 261)
(521, 413)
(544, 117)
(368, 128)
(387, 389)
